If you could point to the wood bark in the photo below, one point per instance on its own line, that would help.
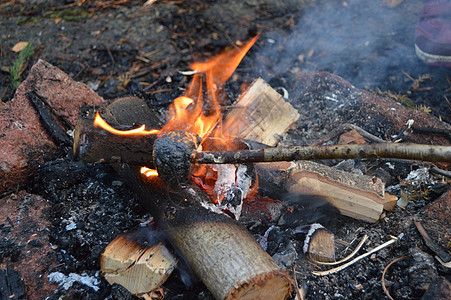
(221, 252)
(383, 150)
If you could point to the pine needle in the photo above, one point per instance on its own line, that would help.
(15, 71)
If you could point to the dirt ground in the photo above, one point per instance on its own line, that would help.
(121, 47)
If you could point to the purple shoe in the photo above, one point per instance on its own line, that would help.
(433, 33)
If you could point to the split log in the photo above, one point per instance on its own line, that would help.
(357, 196)
(260, 114)
(138, 268)
(320, 244)
(220, 251)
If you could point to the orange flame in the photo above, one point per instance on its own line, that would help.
(148, 172)
(99, 122)
(192, 113)
(188, 112)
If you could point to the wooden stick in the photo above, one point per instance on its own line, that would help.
(384, 150)
(139, 150)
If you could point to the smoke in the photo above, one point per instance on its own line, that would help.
(360, 41)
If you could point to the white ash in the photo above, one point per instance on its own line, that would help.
(243, 179)
(313, 228)
(419, 175)
(71, 226)
(66, 281)
(226, 179)
(264, 240)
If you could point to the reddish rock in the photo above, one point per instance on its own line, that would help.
(26, 231)
(24, 142)
(436, 219)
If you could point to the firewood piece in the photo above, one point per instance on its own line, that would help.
(320, 244)
(227, 258)
(357, 196)
(140, 269)
(93, 144)
(96, 145)
(390, 201)
(261, 114)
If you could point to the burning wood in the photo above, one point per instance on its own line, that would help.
(219, 250)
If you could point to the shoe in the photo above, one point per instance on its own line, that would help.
(433, 33)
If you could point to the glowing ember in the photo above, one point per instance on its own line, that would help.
(148, 172)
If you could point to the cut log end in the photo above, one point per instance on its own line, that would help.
(322, 246)
(273, 285)
(140, 269)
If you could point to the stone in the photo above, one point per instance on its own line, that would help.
(436, 219)
(24, 142)
(25, 236)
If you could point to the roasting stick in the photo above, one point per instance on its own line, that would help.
(94, 144)
(382, 150)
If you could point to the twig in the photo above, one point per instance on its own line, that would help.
(385, 150)
(439, 171)
(342, 267)
(346, 127)
(399, 136)
(385, 271)
(431, 130)
(364, 238)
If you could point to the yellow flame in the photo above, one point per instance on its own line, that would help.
(148, 172)
(99, 122)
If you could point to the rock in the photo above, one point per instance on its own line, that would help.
(25, 242)
(436, 219)
(24, 142)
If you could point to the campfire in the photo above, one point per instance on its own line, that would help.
(195, 172)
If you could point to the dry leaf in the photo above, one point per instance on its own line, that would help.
(19, 46)
(390, 201)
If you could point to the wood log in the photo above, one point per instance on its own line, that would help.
(357, 196)
(260, 114)
(96, 145)
(221, 252)
(138, 268)
(320, 244)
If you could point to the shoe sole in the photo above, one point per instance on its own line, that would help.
(432, 59)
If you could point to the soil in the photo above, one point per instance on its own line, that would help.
(123, 48)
